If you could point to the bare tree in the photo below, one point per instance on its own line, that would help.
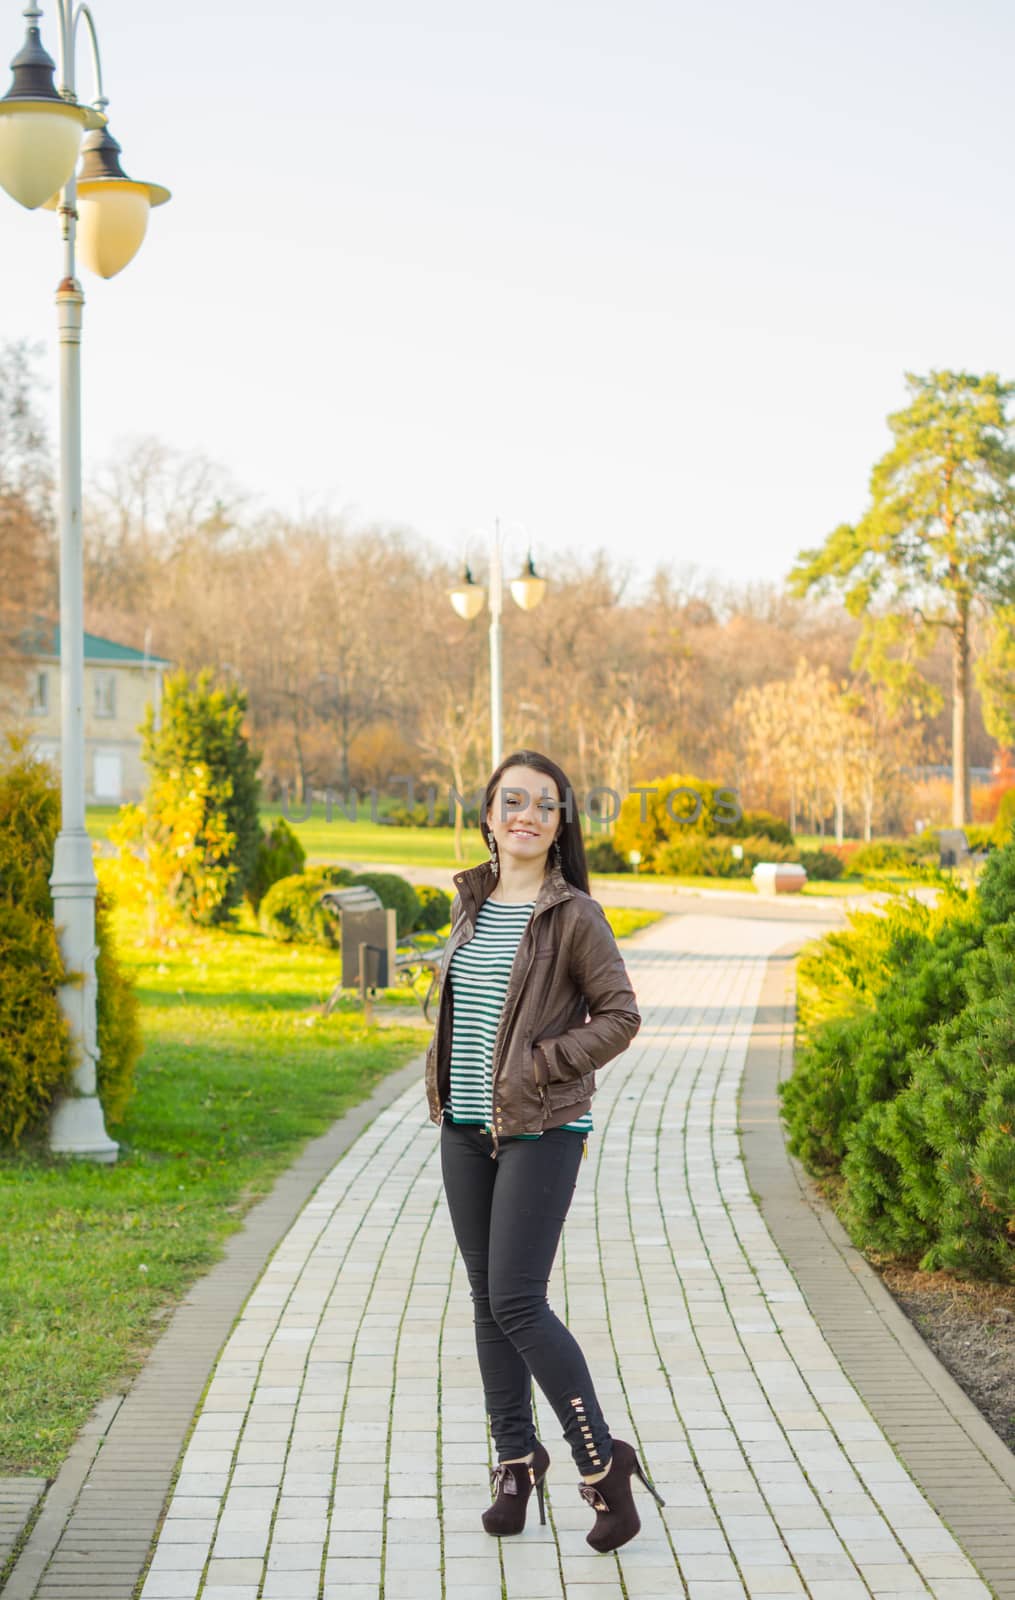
(28, 552)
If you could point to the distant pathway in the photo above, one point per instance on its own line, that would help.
(341, 1451)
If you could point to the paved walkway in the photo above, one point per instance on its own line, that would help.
(341, 1449)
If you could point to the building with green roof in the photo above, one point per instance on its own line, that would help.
(120, 681)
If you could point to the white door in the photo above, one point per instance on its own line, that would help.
(107, 778)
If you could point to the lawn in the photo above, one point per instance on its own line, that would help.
(239, 1070)
(348, 842)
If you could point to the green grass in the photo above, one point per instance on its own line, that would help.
(239, 1070)
(836, 886)
(344, 842)
(624, 920)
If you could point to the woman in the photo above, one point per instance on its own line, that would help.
(534, 998)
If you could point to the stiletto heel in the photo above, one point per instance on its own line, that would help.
(649, 1486)
(513, 1483)
(539, 1497)
(617, 1518)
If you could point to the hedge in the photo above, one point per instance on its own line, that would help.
(905, 1080)
(36, 1052)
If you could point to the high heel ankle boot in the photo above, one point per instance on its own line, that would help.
(513, 1482)
(617, 1518)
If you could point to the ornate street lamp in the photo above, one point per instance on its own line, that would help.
(468, 597)
(40, 136)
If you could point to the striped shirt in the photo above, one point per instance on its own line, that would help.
(479, 973)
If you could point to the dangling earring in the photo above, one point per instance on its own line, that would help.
(493, 863)
(556, 853)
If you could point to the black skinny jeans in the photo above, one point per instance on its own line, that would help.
(507, 1216)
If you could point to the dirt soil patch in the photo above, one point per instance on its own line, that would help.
(971, 1329)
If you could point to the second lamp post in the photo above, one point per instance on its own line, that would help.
(467, 598)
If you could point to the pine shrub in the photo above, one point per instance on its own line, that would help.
(697, 856)
(602, 855)
(397, 894)
(291, 910)
(905, 1078)
(867, 997)
(202, 727)
(762, 825)
(434, 908)
(279, 855)
(35, 1045)
(883, 855)
(821, 866)
(934, 1172)
(36, 1052)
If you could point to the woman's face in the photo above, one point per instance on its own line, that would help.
(523, 817)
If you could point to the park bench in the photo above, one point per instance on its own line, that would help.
(954, 851)
(372, 956)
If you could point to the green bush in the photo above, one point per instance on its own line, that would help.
(980, 835)
(762, 825)
(602, 855)
(422, 816)
(905, 1081)
(291, 910)
(668, 815)
(696, 856)
(201, 727)
(434, 908)
(867, 996)
(764, 848)
(35, 1045)
(821, 866)
(1003, 829)
(279, 855)
(932, 1172)
(118, 1018)
(396, 893)
(883, 855)
(36, 1053)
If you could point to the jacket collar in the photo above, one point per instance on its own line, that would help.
(475, 884)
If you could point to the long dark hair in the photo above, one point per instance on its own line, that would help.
(569, 836)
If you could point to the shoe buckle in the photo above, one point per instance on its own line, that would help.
(589, 1492)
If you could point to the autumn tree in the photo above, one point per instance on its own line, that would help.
(995, 676)
(937, 541)
(27, 541)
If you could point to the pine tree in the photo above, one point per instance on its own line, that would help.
(937, 541)
(203, 727)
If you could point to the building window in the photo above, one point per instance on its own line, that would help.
(39, 703)
(105, 694)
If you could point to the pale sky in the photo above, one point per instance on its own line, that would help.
(639, 276)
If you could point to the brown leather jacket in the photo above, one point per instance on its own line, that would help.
(569, 1008)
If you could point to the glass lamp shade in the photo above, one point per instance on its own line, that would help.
(112, 220)
(468, 598)
(112, 207)
(527, 591)
(528, 588)
(39, 143)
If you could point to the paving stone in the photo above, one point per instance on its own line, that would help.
(778, 1479)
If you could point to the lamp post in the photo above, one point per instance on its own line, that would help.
(467, 598)
(40, 138)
